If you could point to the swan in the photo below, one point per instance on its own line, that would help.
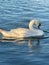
(24, 32)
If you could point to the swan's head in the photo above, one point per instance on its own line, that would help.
(38, 23)
(34, 22)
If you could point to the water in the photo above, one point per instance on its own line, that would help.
(18, 13)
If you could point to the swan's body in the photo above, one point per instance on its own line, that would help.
(24, 32)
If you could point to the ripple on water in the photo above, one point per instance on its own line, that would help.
(18, 13)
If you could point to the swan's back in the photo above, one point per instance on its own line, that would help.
(22, 32)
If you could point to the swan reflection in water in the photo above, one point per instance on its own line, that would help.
(33, 45)
(29, 41)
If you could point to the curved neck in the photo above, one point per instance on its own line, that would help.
(31, 25)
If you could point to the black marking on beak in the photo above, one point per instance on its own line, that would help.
(39, 25)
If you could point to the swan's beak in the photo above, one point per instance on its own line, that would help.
(39, 25)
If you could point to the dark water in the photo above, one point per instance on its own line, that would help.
(18, 13)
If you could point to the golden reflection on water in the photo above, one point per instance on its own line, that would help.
(32, 44)
(30, 41)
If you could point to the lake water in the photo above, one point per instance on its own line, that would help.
(18, 13)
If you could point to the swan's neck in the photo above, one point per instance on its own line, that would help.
(31, 26)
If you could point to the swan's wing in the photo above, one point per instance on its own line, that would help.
(35, 33)
(38, 33)
(23, 32)
(20, 30)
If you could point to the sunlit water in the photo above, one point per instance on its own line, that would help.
(18, 13)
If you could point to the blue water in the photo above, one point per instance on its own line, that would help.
(18, 13)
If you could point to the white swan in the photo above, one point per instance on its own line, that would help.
(24, 32)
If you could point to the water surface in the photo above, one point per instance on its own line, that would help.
(18, 13)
